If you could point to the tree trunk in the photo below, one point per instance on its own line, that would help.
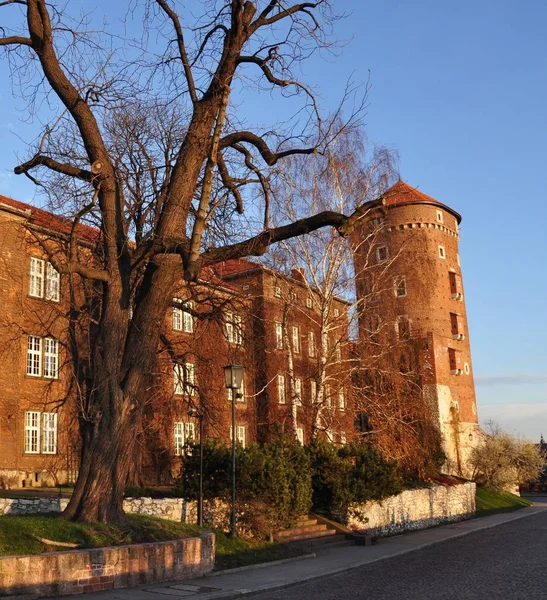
(106, 457)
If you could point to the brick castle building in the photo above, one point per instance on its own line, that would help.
(294, 343)
(408, 271)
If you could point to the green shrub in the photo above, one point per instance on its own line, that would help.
(349, 475)
(273, 481)
(217, 469)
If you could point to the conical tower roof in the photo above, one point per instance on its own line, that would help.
(402, 194)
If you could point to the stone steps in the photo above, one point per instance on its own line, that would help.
(310, 532)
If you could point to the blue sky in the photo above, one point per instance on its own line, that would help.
(460, 91)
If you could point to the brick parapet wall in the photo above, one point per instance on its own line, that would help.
(79, 571)
(415, 509)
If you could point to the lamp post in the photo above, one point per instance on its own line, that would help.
(194, 412)
(233, 375)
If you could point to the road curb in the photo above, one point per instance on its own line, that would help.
(229, 594)
(261, 565)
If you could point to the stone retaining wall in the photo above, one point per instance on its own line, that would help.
(78, 571)
(174, 509)
(415, 509)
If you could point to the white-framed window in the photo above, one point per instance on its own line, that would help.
(53, 283)
(182, 319)
(49, 433)
(466, 368)
(312, 350)
(281, 396)
(44, 281)
(189, 432)
(382, 253)
(330, 435)
(341, 399)
(234, 328)
(179, 438)
(313, 391)
(34, 356)
(277, 291)
(309, 302)
(40, 432)
(336, 313)
(240, 394)
(338, 352)
(184, 433)
(296, 340)
(184, 379)
(279, 335)
(300, 435)
(298, 391)
(51, 358)
(439, 216)
(241, 435)
(36, 282)
(343, 438)
(325, 341)
(32, 432)
(399, 286)
(42, 357)
(442, 252)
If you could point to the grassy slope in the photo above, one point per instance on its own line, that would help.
(18, 536)
(491, 501)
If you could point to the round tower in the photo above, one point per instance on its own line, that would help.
(408, 274)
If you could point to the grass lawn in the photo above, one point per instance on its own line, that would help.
(18, 535)
(490, 501)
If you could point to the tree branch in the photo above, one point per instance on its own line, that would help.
(50, 163)
(270, 158)
(172, 15)
(15, 40)
(263, 19)
(259, 244)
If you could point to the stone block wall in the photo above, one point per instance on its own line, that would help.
(415, 509)
(174, 509)
(79, 571)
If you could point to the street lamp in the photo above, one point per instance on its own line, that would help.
(233, 376)
(194, 412)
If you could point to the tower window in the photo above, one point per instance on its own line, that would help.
(466, 368)
(400, 286)
(382, 253)
(442, 252)
(454, 360)
(454, 324)
(403, 327)
(440, 216)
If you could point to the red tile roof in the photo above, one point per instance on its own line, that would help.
(234, 266)
(49, 221)
(401, 193)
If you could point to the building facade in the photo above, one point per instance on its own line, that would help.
(293, 339)
(409, 276)
(231, 316)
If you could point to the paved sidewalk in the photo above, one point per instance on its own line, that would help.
(327, 562)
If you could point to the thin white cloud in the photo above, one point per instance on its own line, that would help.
(509, 379)
(528, 419)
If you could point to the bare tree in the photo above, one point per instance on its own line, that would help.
(362, 346)
(163, 212)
